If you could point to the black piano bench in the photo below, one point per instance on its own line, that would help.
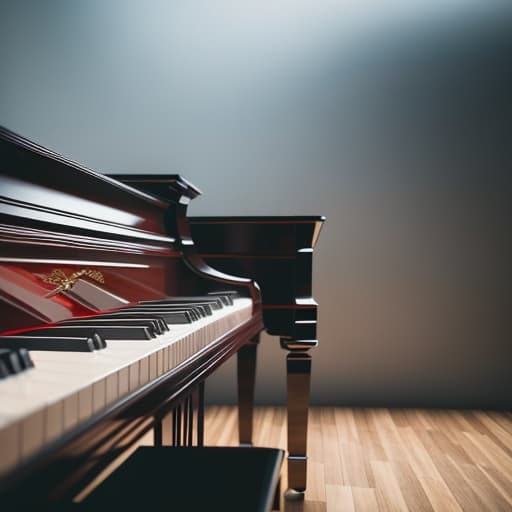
(192, 479)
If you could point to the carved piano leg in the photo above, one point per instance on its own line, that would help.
(246, 373)
(298, 369)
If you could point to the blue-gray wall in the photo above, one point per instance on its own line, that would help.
(392, 120)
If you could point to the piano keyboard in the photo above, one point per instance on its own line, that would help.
(65, 388)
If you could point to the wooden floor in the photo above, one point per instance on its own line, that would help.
(387, 460)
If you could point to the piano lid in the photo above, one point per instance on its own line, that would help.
(171, 187)
(43, 190)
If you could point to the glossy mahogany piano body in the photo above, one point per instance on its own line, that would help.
(56, 215)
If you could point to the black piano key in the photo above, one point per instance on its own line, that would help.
(97, 340)
(123, 315)
(208, 305)
(201, 309)
(195, 312)
(4, 371)
(214, 302)
(226, 296)
(121, 332)
(153, 326)
(25, 358)
(205, 309)
(52, 343)
(93, 328)
(11, 360)
(170, 317)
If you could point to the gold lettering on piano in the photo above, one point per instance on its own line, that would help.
(64, 282)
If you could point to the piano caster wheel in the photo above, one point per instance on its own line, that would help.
(293, 495)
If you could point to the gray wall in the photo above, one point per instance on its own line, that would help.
(394, 122)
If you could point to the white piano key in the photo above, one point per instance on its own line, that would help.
(10, 443)
(134, 376)
(99, 395)
(54, 421)
(65, 388)
(32, 433)
(144, 371)
(160, 362)
(123, 382)
(152, 366)
(112, 388)
(70, 410)
(85, 403)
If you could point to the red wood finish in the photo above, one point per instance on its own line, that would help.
(58, 215)
(133, 230)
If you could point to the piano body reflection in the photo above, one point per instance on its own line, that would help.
(115, 307)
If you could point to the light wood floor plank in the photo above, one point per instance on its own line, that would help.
(425, 417)
(496, 429)
(304, 506)
(316, 481)
(365, 500)
(389, 494)
(379, 460)
(339, 498)
(346, 424)
(332, 459)
(411, 488)
(353, 468)
(417, 456)
(497, 457)
(437, 442)
(504, 419)
(440, 497)
(462, 490)
(502, 482)
(372, 450)
(485, 489)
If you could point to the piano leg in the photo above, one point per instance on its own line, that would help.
(298, 369)
(246, 373)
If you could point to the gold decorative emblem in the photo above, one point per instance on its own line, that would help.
(64, 282)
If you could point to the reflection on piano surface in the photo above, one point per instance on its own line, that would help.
(112, 317)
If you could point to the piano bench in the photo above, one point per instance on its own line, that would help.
(192, 478)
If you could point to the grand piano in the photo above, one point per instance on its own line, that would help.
(115, 307)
